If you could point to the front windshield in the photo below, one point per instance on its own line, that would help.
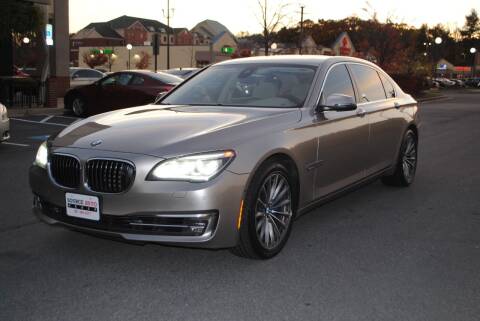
(246, 85)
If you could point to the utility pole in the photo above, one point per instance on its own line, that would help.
(301, 29)
(168, 33)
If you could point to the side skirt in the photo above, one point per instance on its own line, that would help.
(345, 190)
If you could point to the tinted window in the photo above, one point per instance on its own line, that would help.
(137, 80)
(369, 85)
(86, 73)
(338, 82)
(250, 85)
(389, 89)
(117, 79)
(166, 78)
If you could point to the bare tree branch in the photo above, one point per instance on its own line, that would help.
(270, 20)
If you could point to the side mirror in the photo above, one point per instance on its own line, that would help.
(338, 102)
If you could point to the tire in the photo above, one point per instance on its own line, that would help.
(79, 106)
(267, 221)
(406, 166)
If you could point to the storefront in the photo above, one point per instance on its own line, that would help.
(34, 70)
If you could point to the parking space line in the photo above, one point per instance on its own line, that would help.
(37, 122)
(46, 119)
(16, 144)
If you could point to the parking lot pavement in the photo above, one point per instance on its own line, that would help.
(379, 253)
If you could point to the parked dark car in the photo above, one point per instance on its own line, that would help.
(183, 73)
(119, 90)
(472, 82)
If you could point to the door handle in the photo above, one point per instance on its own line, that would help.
(361, 112)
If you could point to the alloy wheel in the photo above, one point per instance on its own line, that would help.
(273, 210)
(409, 159)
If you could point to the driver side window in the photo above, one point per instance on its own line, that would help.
(338, 82)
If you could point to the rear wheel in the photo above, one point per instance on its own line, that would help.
(406, 164)
(268, 213)
(79, 106)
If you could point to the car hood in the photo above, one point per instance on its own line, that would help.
(165, 130)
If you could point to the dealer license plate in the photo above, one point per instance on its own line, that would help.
(82, 206)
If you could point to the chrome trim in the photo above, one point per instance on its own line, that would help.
(85, 180)
(353, 84)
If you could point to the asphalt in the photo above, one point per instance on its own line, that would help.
(378, 253)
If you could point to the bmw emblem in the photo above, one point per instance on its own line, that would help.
(96, 142)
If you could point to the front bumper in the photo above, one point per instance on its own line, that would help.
(178, 213)
(4, 130)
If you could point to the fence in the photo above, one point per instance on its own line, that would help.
(22, 92)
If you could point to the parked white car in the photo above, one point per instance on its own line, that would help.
(444, 82)
(4, 124)
(84, 76)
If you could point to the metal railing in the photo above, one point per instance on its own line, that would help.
(21, 92)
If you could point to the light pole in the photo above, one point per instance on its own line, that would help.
(438, 41)
(129, 48)
(273, 47)
(473, 51)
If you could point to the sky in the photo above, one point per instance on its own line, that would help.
(241, 15)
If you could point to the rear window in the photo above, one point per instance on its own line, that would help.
(166, 78)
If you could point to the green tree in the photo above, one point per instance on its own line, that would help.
(18, 18)
(472, 25)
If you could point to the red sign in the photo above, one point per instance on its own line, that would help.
(462, 69)
(345, 48)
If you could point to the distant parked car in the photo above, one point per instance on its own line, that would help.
(4, 124)
(19, 72)
(472, 82)
(458, 82)
(183, 73)
(444, 82)
(84, 76)
(119, 90)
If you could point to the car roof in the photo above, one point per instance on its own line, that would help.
(314, 60)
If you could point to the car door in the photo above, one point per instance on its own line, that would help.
(378, 98)
(142, 90)
(114, 93)
(342, 138)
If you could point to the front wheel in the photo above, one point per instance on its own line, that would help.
(406, 164)
(268, 213)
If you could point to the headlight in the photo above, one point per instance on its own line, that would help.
(42, 156)
(3, 112)
(192, 168)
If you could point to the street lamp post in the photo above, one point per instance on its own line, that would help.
(129, 48)
(438, 41)
(473, 51)
(273, 47)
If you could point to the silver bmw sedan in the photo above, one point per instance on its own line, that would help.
(232, 156)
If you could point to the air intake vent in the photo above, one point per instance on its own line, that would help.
(109, 176)
(65, 170)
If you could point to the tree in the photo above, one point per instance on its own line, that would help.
(144, 61)
(270, 21)
(94, 60)
(472, 25)
(19, 19)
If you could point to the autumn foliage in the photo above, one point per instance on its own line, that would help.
(94, 60)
